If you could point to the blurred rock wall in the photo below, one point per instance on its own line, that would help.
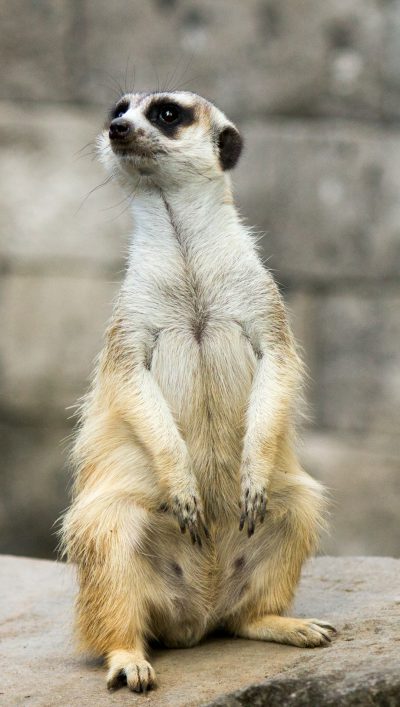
(315, 89)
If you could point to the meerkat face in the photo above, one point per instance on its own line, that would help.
(168, 138)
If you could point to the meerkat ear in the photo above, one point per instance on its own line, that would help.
(230, 145)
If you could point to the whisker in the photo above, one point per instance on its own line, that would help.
(88, 144)
(92, 155)
(174, 73)
(183, 73)
(130, 199)
(114, 206)
(118, 89)
(126, 75)
(191, 80)
(134, 78)
(115, 93)
(153, 66)
(99, 186)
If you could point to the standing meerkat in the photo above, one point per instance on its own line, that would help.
(189, 422)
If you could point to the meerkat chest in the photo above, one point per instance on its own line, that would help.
(197, 302)
(196, 311)
(202, 357)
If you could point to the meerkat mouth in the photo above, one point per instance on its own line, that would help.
(141, 158)
(133, 152)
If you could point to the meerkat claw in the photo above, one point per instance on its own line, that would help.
(131, 670)
(254, 508)
(190, 516)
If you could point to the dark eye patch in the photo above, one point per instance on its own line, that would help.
(169, 117)
(119, 109)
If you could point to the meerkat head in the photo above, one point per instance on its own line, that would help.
(166, 139)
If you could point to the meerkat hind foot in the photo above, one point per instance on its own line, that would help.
(304, 633)
(130, 668)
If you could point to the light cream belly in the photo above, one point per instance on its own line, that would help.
(198, 589)
(194, 590)
(207, 386)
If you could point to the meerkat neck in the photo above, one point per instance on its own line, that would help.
(198, 218)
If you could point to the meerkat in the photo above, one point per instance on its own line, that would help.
(190, 510)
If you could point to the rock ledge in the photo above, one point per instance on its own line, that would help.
(360, 596)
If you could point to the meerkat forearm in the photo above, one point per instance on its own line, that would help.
(268, 408)
(141, 403)
(137, 398)
(268, 413)
(272, 398)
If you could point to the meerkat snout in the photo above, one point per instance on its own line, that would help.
(120, 129)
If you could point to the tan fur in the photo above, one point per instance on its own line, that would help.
(190, 415)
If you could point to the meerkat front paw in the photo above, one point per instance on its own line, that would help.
(188, 510)
(253, 503)
(130, 668)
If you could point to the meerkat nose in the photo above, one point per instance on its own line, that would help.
(120, 129)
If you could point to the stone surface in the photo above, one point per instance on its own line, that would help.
(358, 370)
(391, 61)
(50, 217)
(60, 322)
(360, 596)
(350, 343)
(326, 197)
(279, 57)
(34, 485)
(337, 57)
(363, 484)
(57, 292)
(315, 89)
(35, 47)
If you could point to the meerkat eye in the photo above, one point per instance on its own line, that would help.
(169, 114)
(170, 118)
(120, 109)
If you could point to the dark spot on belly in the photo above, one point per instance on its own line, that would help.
(239, 563)
(177, 569)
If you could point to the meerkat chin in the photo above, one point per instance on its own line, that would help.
(190, 509)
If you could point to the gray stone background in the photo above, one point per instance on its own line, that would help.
(315, 88)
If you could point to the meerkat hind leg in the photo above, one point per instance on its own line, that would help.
(304, 633)
(286, 543)
(129, 667)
